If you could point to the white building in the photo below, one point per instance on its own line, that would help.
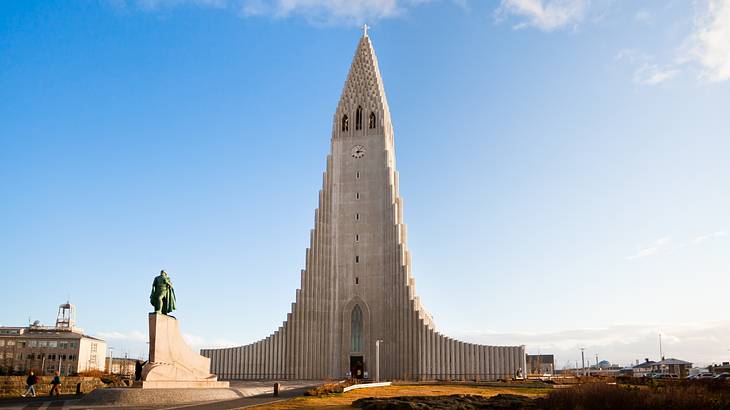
(46, 349)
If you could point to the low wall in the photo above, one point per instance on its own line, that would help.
(15, 385)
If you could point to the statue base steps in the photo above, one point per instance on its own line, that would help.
(182, 385)
(155, 397)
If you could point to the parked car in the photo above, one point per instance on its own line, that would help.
(666, 376)
(723, 376)
(700, 376)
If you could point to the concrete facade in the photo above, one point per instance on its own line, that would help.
(357, 286)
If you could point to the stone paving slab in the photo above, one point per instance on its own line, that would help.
(246, 394)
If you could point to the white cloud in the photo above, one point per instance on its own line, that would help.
(652, 250)
(644, 16)
(546, 15)
(158, 4)
(197, 342)
(646, 72)
(132, 336)
(348, 12)
(709, 43)
(713, 235)
(623, 343)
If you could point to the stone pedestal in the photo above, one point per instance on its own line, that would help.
(173, 364)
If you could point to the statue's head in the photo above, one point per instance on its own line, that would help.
(163, 273)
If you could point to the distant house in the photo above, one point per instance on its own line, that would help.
(719, 368)
(672, 366)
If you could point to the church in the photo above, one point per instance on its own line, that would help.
(356, 311)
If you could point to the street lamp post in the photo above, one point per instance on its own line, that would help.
(377, 360)
(111, 358)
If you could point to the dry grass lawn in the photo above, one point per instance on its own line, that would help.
(343, 400)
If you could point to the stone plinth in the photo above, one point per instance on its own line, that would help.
(173, 364)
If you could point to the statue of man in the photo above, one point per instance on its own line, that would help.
(163, 295)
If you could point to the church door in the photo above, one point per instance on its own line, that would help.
(357, 367)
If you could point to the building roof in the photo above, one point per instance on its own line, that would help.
(673, 361)
(44, 333)
(647, 364)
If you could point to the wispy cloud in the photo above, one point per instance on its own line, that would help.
(664, 245)
(198, 342)
(652, 250)
(644, 16)
(713, 235)
(623, 343)
(132, 336)
(546, 15)
(330, 12)
(646, 72)
(709, 43)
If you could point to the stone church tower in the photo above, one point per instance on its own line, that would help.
(357, 286)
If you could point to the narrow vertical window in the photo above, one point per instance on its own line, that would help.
(371, 121)
(356, 329)
(357, 238)
(357, 280)
(358, 118)
(357, 195)
(357, 259)
(345, 123)
(357, 217)
(357, 175)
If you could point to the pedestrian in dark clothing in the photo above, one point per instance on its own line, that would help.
(138, 370)
(56, 384)
(31, 381)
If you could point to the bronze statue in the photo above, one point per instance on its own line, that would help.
(163, 295)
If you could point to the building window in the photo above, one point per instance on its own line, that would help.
(357, 195)
(356, 329)
(345, 123)
(358, 118)
(357, 175)
(357, 280)
(357, 259)
(357, 238)
(371, 121)
(357, 217)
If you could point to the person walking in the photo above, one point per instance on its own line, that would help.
(56, 383)
(31, 381)
(138, 371)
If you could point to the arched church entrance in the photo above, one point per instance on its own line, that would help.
(357, 364)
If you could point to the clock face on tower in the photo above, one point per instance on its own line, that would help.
(357, 151)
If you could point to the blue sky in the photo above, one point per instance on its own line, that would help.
(564, 164)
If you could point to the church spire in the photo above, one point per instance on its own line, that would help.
(363, 106)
